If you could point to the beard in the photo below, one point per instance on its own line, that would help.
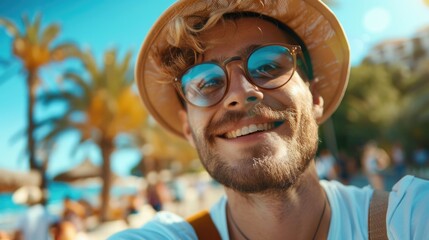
(267, 167)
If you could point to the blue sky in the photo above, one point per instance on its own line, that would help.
(99, 25)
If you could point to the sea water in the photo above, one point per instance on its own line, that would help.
(57, 192)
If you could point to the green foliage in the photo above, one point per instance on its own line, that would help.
(369, 106)
(384, 103)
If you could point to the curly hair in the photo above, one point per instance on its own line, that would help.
(184, 45)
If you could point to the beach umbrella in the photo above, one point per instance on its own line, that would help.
(10, 181)
(84, 170)
(27, 195)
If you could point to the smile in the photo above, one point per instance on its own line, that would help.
(252, 128)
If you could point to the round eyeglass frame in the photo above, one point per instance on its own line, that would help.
(293, 49)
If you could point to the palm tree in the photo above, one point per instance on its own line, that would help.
(161, 148)
(33, 46)
(100, 107)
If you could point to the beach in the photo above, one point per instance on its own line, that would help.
(199, 192)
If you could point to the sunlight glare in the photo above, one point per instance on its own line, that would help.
(377, 20)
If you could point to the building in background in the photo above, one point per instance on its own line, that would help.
(404, 51)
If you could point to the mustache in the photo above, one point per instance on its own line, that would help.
(259, 110)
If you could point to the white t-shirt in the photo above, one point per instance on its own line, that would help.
(407, 214)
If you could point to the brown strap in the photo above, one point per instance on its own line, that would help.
(204, 226)
(377, 215)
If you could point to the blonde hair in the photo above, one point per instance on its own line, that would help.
(183, 42)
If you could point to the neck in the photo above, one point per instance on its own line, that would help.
(291, 212)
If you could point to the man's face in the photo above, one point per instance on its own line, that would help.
(285, 142)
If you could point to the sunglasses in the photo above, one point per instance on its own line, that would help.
(268, 67)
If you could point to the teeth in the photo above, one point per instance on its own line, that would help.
(253, 128)
(249, 129)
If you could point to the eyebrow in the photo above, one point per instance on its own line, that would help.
(244, 52)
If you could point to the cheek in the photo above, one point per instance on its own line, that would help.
(294, 94)
(281, 98)
(198, 120)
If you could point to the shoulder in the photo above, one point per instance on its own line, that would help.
(347, 195)
(164, 225)
(408, 210)
(218, 215)
(349, 210)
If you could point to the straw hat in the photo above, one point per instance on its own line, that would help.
(312, 20)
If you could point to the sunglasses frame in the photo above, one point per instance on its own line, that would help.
(293, 49)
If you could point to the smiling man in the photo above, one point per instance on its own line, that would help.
(247, 83)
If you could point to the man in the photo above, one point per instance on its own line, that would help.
(247, 83)
(36, 222)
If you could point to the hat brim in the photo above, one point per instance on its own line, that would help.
(312, 20)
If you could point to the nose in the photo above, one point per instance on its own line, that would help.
(242, 95)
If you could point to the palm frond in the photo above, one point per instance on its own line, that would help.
(50, 33)
(90, 65)
(65, 50)
(78, 80)
(116, 72)
(125, 65)
(32, 28)
(110, 58)
(48, 121)
(36, 27)
(110, 74)
(26, 21)
(84, 86)
(60, 128)
(50, 97)
(11, 28)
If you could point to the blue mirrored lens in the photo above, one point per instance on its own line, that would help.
(204, 84)
(270, 66)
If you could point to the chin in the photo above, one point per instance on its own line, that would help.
(259, 171)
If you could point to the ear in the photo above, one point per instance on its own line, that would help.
(186, 128)
(318, 103)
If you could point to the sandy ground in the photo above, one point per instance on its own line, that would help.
(191, 204)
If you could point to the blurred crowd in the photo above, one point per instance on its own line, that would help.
(189, 193)
(78, 217)
(374, 164)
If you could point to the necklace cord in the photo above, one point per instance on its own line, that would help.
(320, 220)
(235, 224)
(244, 235)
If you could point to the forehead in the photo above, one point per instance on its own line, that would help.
(231, 36)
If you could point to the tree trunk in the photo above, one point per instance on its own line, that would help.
(31, 85)
(106, 173)
(44, 185)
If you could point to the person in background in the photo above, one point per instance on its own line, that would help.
(5, 236)
(398, 159)
(157, 192)
(325, 165)
(374, 160)
(37, 221)
(132, 204)
(74, 213)
(247, 83)
(420, 156)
